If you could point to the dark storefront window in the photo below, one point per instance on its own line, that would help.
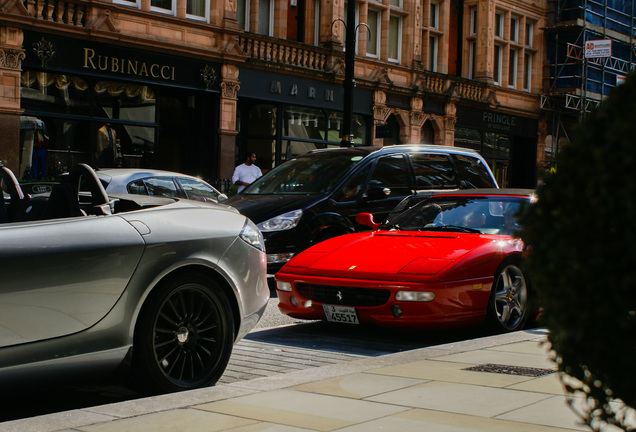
(494, 147)
(70, 120)
(260, 131)
(393, 126)
(301, 129)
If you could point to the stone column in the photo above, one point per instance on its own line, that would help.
(227, 119)
(11, 56)
(380, 113)
(417, 119)
(484, 66)
(412, 34)
(449, 123)
(332, 35)
(223, 12)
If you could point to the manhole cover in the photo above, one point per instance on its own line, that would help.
(511, 370)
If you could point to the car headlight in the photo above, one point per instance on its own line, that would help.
(252, 236)
(283, 222)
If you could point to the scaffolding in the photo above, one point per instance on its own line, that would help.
(575, 83)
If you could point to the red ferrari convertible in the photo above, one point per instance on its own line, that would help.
(449, 260)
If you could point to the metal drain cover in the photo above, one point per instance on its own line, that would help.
(511, 370)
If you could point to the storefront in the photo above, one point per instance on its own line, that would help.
(282, 116)
(507, 142)
(107, 106)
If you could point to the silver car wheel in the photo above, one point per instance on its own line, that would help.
(509, 301)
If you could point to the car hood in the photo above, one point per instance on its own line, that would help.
(260, 208)
(385, 254)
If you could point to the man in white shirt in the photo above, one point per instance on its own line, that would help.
(246, 173)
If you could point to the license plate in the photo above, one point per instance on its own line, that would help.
(341, 314)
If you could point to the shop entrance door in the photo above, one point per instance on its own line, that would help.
(501, 172)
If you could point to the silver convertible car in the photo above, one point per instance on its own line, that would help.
(157, 182)
(157, 289)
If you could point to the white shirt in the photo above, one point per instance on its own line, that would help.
(245, 173)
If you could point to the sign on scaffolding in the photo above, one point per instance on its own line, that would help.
(598, 48)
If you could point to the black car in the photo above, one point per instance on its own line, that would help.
(318, 195)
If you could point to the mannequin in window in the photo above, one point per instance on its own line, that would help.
(108, 148)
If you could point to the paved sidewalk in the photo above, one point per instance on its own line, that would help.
(511, 387)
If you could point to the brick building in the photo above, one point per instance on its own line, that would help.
(193, 85)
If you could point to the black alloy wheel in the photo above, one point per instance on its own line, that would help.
(184, 336)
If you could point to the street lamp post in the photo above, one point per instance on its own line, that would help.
(349, 83)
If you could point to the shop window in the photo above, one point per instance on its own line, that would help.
(394, 126)
(335, 126)
(468, 138)
(304, 123)
(261, 135)
(73, 110)
(261, 120)
(496, 145)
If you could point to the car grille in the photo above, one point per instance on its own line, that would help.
(343, 295)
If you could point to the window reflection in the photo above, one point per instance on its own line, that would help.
(129, 109)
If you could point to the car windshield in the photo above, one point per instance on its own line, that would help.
(316, 173)
(486, 215)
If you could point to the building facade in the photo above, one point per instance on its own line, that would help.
(194, 85)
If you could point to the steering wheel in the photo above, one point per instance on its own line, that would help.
(83, 175)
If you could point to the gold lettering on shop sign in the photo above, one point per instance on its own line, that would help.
(124, 66)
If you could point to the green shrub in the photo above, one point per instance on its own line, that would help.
(582, 239)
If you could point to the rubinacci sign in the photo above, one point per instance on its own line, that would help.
(127, 66)
(598, 48)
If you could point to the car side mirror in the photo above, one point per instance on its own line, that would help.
(379, 192)
(222, 197)
(366, 219)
